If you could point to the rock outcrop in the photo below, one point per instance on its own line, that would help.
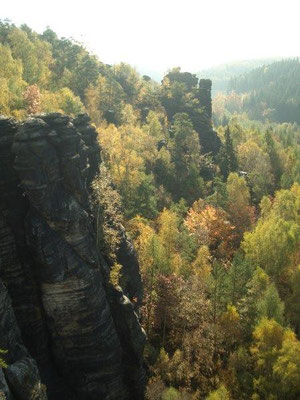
(182, 93)
(209, 140)
(81, 334)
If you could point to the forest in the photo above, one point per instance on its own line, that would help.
(268, 93)
(213, 210)
(221, 75)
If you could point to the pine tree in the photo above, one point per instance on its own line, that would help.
(227, 157)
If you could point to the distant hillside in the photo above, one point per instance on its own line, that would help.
(270, 92)
(222, 74)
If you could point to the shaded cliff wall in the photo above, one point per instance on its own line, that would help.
(209, 140)
(199, 111)
(83, 333)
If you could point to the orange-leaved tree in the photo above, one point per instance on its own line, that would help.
(211, 227)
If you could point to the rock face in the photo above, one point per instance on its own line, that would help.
(195, 100)
(80, 331)
(209, 139)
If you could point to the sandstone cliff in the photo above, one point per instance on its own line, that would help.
(64, 325)
(209, 139)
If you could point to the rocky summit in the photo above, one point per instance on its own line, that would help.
(68, 332)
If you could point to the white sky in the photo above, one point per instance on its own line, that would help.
(158, 34)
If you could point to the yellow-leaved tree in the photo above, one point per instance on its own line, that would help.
(238, 206)
(12, 84)
(273, 243)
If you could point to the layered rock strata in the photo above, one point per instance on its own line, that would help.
(81, 331)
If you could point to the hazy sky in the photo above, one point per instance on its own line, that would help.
(159, 34)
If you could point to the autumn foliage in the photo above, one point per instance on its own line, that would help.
(217, 233)
(210, 226)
